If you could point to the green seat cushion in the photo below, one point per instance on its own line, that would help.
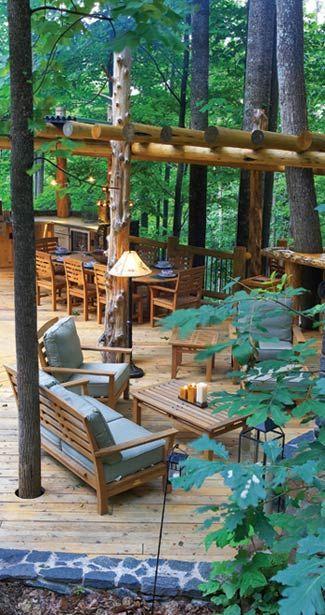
(108, 414)
(48, 435)
(267, 382)
(270, 350)
(62, 345)
(98, 385)
(274, 318)
(46, 380)
(86, 407)
(132, 460)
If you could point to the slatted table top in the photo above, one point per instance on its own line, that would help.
(164, 399)
(200, 338)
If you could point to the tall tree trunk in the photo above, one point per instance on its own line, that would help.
(199, 121)
(22, 155)
(158, 214)
(144, 220)
(259, 48)
(119, 181)
(166, 200)
(269, 177)
(305, 226)
(178, 203)
(300, 182)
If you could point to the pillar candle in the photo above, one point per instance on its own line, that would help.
(191, 393)
(201, 392)
(183, 392)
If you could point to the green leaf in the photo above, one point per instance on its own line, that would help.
(233, 609)
(304, 583)
(204, 443)
(250, 580)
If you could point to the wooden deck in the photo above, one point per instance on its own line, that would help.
(65, 517)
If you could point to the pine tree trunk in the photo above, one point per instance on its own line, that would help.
(166, 200)
(300, 182)
(269, 177)
(178, 203)
(22, 155)
(119, 181)
(259, 52)
(199, 121)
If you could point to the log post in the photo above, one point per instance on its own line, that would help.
(119, 184)
(62, 201)
(240, 262)
(172, 245)
(256, 198)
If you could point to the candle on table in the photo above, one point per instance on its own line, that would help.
(191, 393)
(201, 392)
(183, 392)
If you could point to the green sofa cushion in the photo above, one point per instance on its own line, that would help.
(98, 385)
(46, 380)
(267, 382)
(62, 346)
(48, 435)
(96, 416)
(133, 460)
(270, 350)
(277, 320)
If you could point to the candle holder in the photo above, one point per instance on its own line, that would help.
(203, 404)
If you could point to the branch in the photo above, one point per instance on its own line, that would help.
(163, 76)
(62, 10)
(69, 174)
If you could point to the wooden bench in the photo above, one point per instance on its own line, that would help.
(163, 398)
(200, 339)
(72, 429)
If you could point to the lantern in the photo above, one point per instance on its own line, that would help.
(251, 442)
(176, 461)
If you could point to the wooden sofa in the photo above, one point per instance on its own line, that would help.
(107, 451)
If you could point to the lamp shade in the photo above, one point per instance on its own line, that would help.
(129, 265)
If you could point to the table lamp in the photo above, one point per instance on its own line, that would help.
(130, 265)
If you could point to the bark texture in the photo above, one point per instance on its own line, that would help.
(300, 182)
(119, 181)
(178, 203)
(199, 120)
(258, 73)
(22, 155)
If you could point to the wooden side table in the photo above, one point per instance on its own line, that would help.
(200, 339)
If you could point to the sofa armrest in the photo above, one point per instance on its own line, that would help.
(297, 335)
(83, 382)
(117, 448)
(113, 349)
(73, 370)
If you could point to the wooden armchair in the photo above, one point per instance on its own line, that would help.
(100, 283)
(181, 260)
(60, 353)
(78, 285)
(47, 278)
(280, 326)
(46, 244)
(187, 293)
(107, 451)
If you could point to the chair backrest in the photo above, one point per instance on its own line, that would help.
(149, 254)
(46, 244)
(181, 260)
(100, 280)
(62, 420)
(44, 266)
(190, 283)
(41, 346)
(275, 318)
(74, 273)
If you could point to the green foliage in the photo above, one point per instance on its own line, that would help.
(278, 567)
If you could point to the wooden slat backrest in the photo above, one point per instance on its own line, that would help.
(44, 266)
(181, 260)
(61, 419)
(190, 282)
(46, 244)
(74, 273)
(41, 347)
(65, 422)
(100, 279)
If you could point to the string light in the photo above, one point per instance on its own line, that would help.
(53, 182)
(91, 179)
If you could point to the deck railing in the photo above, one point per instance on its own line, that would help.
(220, 266)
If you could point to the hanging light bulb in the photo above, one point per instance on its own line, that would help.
(131, 204)
(91, 179)
(53, 182)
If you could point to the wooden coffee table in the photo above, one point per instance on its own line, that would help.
(163, 398)
(200, 339)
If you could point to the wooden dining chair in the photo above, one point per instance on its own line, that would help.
(181, 260)
(100, 283)
(46, 244)
(187, 293)
(78, 286)
(47, 278)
